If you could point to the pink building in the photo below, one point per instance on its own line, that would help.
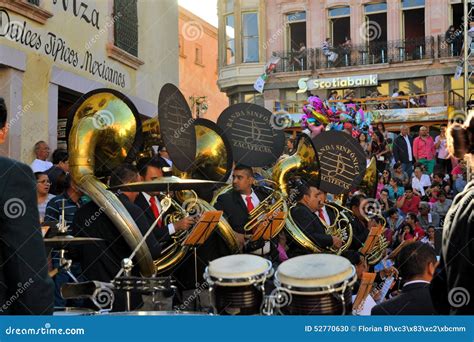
(198, 66)
(399, 43)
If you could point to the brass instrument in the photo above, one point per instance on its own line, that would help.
(304, 163)
(213, 161)
(105, 127)
(175, 252)
(377, 252)
(273, 203)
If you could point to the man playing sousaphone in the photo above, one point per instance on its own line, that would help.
(238, 203)
(311, 200)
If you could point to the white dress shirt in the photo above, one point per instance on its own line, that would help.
(254, 199)
(171, 228)
(419, 184)
(407, 140)
(39, 165)
(325, 214)
(415, 282)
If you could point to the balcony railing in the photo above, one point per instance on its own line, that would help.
(450, 46)
(295, 61)
(397, 51)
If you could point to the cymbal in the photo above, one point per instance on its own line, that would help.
(63, 241)
(167, 184)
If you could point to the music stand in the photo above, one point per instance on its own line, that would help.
(267, 226)
(200, 233)
(372, 239)
(365, 287)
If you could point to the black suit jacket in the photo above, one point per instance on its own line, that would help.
(102, 260)
(311, 226)
(415, 299)
(235, 209)
(400, 149)
(161, 233)
(360, 232)
(456, 266)
(22, 251)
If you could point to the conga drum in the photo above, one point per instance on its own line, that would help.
(237, 283)
(316, 284)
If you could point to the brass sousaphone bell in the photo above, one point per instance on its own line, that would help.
(104, 130)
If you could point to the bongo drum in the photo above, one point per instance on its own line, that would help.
(316, 284)
(237, 283)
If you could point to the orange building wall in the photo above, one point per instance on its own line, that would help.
(199, 79)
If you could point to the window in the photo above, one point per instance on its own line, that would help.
(181, 46)
(339, 24)
(413, 3)
(250, 37)
(126, 26)
(372, 8)
(34, 2)
(198, 54)
(339, 12)
(230, 39)
(253, 98)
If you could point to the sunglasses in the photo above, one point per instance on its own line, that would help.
(44, 182)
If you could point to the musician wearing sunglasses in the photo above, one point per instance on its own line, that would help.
(310, 200)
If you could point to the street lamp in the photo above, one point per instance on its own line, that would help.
(199, 105)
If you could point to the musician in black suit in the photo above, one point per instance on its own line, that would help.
(238, 202)
(359, 223)
(151, 169)
(25, 287)
(102, 260)
(416, 265)
(310, 201)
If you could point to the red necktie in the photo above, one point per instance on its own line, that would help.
(154, 208)
(250, 206)
(321, 215)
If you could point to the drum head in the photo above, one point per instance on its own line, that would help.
(314, 270)
(71, 311)
(240, 266)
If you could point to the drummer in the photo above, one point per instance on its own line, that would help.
(238, 203)
(310, 201)
(102, 261)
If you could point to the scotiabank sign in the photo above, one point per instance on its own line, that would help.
(305, 84)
